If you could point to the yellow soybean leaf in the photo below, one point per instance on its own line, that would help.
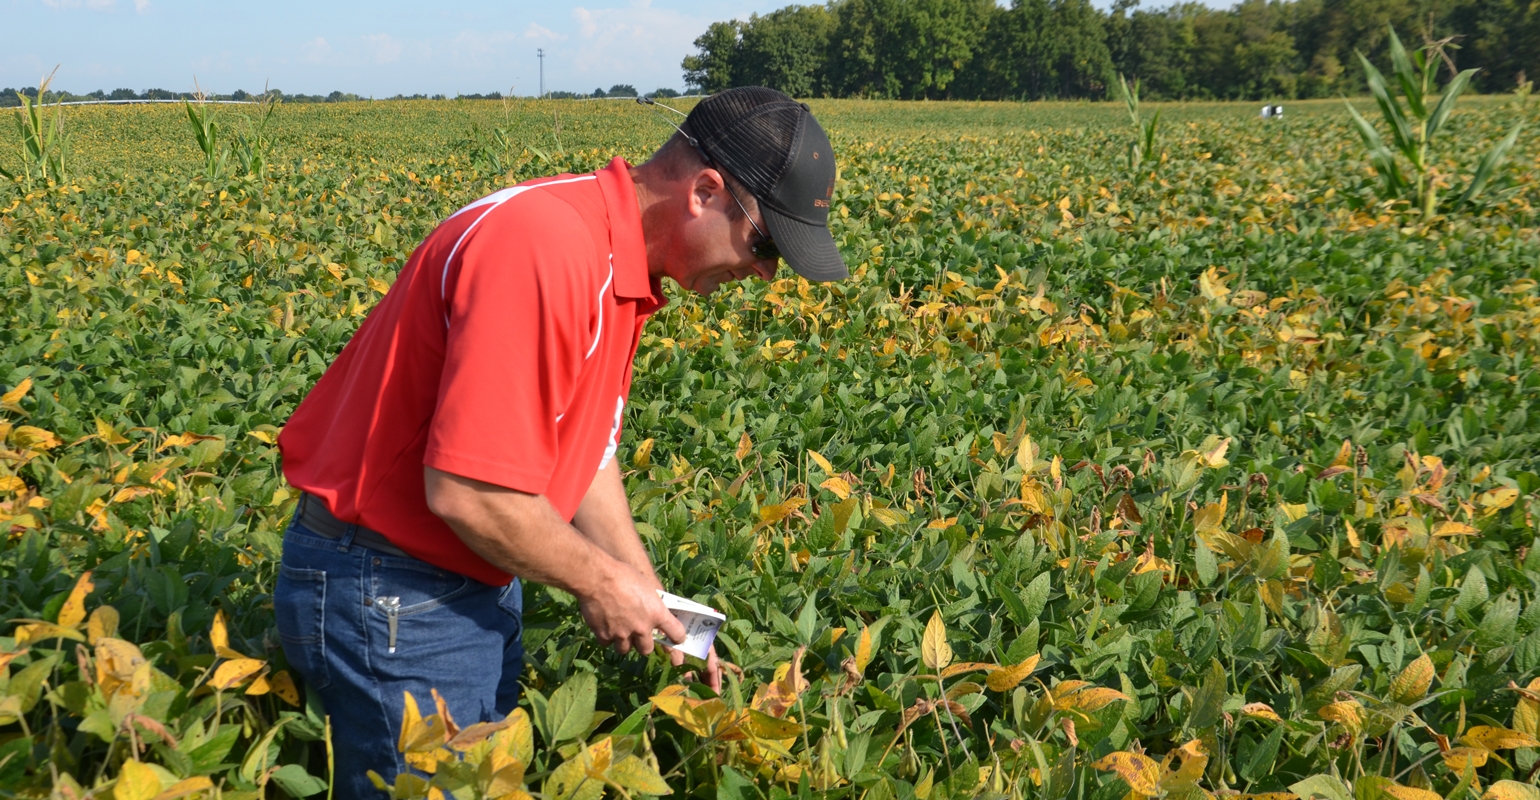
(1400, 792)
(1459, 759)
(1413, 682)
(410, 716)
(1487, 737)
(1139, 771)
(864, 649)
(823, 463)
(184, 788)
(1344, 713)
(764, 726)
(117, 666)
(598, 758)
(839, 486)
(1452, 528)
(1025, 457)
(11, 484)
(1344, 454)
(259, 687)
(28, 437)
(11, 401)
(1063, 693)
(1260, 711)
(103, 624)
(219, 636)
(41, 631)
(1526, 715)
(1214, 457)
(236, 671)
(1097, 698)
(108, 434)
(745, 447)
(934, 650)
(964, 667)
(136, 782)
(283, 686)
(771, 514)
(1005, 679)
(74, 609)
(1498, 499)
(1193, 759)
(635, 775)
(642, 458)
(1511, 790)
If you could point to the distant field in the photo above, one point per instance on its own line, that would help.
(1222, 461)
(155, 137)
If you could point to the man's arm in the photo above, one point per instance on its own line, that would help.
(604, 517)
(522, 535)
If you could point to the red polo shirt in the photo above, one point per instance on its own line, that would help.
(502, 353)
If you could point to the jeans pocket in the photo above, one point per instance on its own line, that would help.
(299, 603)
(417, 585)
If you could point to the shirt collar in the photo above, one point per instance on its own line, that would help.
(627, 246)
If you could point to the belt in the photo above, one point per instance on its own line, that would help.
(316, 518)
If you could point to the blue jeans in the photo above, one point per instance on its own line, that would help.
(453, 634)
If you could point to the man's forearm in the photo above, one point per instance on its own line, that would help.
(518, 533)
(522, 535)
(604, 518)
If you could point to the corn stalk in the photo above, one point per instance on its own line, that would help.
(206, 132)
(1143, 147)
(1412, 129)
(253, 141)
(44, 142)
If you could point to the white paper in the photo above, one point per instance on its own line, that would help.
(700, 624)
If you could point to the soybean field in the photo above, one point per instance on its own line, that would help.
(1190, 458)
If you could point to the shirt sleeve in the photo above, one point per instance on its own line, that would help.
(520, 318)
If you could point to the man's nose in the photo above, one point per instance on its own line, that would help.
(766, 269)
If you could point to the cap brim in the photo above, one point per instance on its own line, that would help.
(809, 249)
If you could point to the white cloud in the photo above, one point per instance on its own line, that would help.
(586, 22)
(95, 5)
(538, 31)
(384, 47)
(315, 51)
(635, 44)
(141, 6)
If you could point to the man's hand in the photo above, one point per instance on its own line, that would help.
(624, 611)
(522, 535)
(713, 667)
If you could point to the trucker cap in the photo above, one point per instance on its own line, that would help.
(772, 145)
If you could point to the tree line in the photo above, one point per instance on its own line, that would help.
(10, 97)
(1045, 49)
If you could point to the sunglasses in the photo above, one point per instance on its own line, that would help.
(764, 249)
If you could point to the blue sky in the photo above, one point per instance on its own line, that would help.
(379, 48)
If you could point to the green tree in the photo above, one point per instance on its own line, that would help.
(1046, 49)
(905, 48)
(711, 69)
(786, 50)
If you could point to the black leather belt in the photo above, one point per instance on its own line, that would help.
(316, 518)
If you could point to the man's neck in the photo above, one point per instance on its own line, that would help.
(651, 202)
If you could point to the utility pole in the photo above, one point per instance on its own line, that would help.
(540, 51)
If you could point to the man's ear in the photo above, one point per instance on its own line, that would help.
(706, 189)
